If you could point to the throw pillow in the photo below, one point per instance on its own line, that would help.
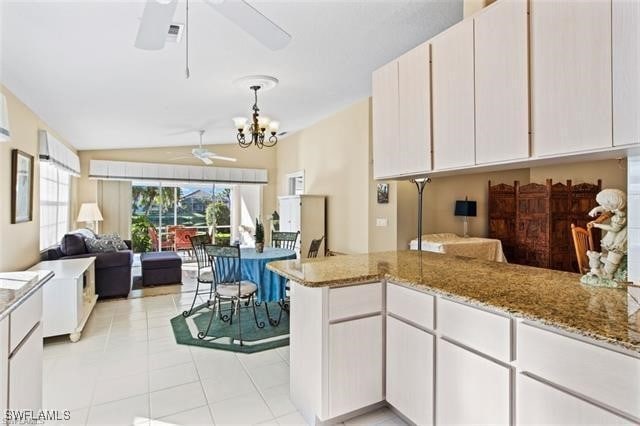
(72, 245)
(115, 239)
(95, 245)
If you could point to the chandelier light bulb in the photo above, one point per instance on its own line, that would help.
(274, 126)
(263, 122)
(240, 122)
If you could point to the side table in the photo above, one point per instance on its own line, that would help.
(69, 297)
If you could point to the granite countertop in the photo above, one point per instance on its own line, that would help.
(16, 287)
(553, 298)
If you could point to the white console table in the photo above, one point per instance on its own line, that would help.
(69, 297)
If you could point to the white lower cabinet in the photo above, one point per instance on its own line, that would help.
(25, 373)
(410, 353)
(355, 364)
(470, 389)
(539, 404)
(4, 367)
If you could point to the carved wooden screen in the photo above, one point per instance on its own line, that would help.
(533, 221)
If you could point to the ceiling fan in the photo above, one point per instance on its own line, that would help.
(204, 154)
(158, 15)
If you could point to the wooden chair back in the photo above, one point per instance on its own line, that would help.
(582, 241)
(285, 240)
(314, 247)
(182, 238)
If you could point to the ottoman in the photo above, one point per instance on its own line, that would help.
(160, 268)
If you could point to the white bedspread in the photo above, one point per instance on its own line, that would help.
(481, 248)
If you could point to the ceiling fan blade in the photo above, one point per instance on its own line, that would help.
(183, 157)
(206, 161)
(154, 25)
(253, 22)
(219, 157)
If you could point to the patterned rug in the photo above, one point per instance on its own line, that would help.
(225, 336)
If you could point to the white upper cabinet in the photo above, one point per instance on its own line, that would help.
(402, 116)
(415, 112)
(385, 119)
(626, 72)
(502, 82)
(570, 76)
(453, 97)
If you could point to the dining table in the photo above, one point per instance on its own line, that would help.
(271, 286)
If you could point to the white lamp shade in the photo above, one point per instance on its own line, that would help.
(274, 126)
(5, 133)
(240, 122)
(89, 212)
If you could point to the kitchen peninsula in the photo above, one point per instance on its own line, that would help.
(447, 339)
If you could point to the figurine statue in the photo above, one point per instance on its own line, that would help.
(608, 267)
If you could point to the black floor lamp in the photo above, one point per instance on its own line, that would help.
(420, 184)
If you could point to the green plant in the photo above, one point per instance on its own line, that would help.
(259, 232)
(140, 239)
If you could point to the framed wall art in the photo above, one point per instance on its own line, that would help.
(21, 186)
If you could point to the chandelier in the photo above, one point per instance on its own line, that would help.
(260, 131)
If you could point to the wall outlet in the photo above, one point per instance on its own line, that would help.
(382, 222)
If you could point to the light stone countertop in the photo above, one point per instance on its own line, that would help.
(554, 298)
(12, 298)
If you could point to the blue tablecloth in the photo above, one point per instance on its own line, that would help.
(271, 286)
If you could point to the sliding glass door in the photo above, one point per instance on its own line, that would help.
(159, 208)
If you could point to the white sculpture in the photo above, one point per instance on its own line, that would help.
(605, 264)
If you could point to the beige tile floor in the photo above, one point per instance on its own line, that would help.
(127, 369)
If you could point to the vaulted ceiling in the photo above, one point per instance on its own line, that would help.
(75, 65)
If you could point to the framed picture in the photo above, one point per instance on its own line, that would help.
(383, 193)
(21, 186)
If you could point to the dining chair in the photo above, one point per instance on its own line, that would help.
(228, 286)
(314, 247)
(156, 244)
(182, 239)
(285, 240)
(204, 276)
(582, 241)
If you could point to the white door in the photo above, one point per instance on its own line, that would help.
(415, 112)
(355, 364)
(540, 404)
(470, 389)
(570, 76)
(285, 214)
(502, 82)
(25, 373)
(385, 119)
(453, 97)
(626, 71)
(410, 371)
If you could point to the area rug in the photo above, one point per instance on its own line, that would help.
(224, 336)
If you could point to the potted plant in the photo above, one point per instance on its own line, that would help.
(259, 236)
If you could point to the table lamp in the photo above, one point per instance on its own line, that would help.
(90, 213)
(465, 208)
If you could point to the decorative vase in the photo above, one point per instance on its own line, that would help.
(259, 247)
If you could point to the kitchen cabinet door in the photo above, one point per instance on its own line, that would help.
(385, 120)
(541, 404)
(502, 82)
(355, 364)
(4, 366)
(470, 389)
(570, 76)
(415, 112)
(410, 371)
(626, 72)
(453, 97)
(25, 373)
